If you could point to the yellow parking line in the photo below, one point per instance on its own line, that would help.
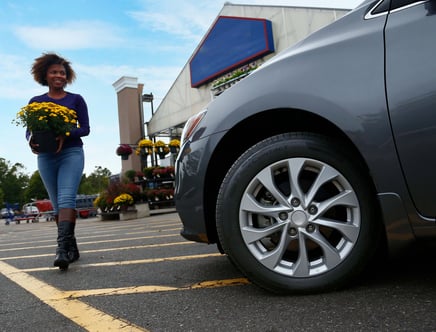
(80, 313)
(153, 288)
(88, 317)
(138, 261)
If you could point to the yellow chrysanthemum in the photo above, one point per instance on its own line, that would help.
(47, 116)
(123, 199)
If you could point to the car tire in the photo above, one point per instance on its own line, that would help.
(296, 214)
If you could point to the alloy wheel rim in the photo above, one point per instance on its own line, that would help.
(299, 217)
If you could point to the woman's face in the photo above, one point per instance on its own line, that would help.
(56, 76)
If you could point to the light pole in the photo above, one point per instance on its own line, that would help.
(148, 98)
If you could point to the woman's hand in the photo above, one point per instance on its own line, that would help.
(60, 140)
(33, 146)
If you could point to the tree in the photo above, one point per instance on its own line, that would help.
(13, 182)
(96, 182)
(2, 197)
(35, 188)
(17, 187)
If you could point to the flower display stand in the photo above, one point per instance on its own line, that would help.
(143, 210)
(138, 211)
(129, 215)
(125, 215)
(107, 216)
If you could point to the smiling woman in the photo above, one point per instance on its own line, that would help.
(65, 114)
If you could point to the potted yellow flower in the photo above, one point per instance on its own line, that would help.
(145, 147)
(174, 145)
(161, 149)
(123, 201)
(45, 121)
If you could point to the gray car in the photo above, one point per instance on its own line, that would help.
(322, 158)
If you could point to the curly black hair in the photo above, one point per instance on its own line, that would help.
(41, 65)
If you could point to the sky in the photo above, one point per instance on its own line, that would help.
(151, 40)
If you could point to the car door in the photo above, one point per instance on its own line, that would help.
(411, 95)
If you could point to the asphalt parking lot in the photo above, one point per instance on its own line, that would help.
(141, 275)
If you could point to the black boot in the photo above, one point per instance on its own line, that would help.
(73, 253)
(65, 236)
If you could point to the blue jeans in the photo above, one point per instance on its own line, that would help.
(61, 174)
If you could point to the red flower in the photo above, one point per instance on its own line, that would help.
(124, 149)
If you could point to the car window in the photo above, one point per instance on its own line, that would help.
(382, 7)
(402, 3)
(386, 5)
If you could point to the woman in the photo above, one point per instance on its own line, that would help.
(61, 171)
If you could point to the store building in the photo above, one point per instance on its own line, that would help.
(241, 38)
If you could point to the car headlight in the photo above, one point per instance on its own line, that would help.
(190, 126)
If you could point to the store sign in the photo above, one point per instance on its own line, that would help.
(230, 43)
